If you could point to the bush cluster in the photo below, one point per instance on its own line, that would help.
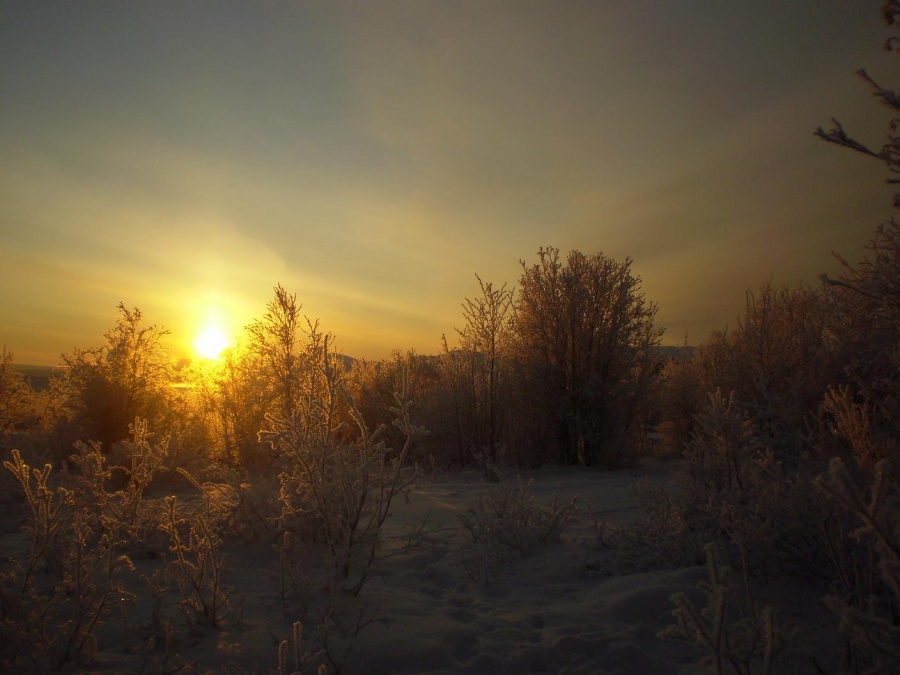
(506, 523)
(315, 473)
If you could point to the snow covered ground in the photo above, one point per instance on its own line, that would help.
(553, 611)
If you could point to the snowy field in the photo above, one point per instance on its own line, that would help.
(422, 610)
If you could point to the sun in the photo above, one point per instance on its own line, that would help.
(211, 342)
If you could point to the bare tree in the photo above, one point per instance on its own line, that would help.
(299, 362)
(455, 376)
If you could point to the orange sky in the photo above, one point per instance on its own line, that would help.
(373, 157)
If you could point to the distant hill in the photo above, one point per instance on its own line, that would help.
(665, 352)
(38, 376)
(671, 352)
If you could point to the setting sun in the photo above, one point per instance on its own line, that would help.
(211, 343)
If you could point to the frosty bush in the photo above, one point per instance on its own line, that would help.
(730, 490)
(732, 629)
(681, 398)
(344, 481)
(197, 562)
(868, 604)
(49, 620)
(660, 538)
(339, 477)
(865, 542)
(128, 376)
(17, 400)
(93, 478)
(777, 364)
(372, 386)
(231, 397)
(506, 523)
(78, 572)
(253, 506)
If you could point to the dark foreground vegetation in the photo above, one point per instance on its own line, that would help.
(130, 477)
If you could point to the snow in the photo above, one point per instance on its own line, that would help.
(550, 612)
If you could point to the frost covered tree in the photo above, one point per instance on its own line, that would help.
(298, 362)
(585, 335)
(275, 340)
(483, 350)
(128, 376)
(778, 362)
(16, 396)
(233, 397)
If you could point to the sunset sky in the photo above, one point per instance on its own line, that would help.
(185, 157)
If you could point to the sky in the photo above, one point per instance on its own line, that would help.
(373, 157)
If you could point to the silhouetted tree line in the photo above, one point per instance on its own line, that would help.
(561, 369)
(565, 367)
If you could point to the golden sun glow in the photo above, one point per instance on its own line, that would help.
(211, 342)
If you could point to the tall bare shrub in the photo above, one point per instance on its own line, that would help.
(372, 385)
(345, 480)
(339, 477)
(485, 340)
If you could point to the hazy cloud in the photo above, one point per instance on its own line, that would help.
(373, 158)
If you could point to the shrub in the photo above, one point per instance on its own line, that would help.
(507, 523)
(17, 400)
(128, 376)
(731, 490)
(732, 629)
(681, 398)
(866, 595)
(51, 620)
(344, 481)
(117, 493)
(231, 397)
(777, 364)
(197, 563)
(372, 385)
